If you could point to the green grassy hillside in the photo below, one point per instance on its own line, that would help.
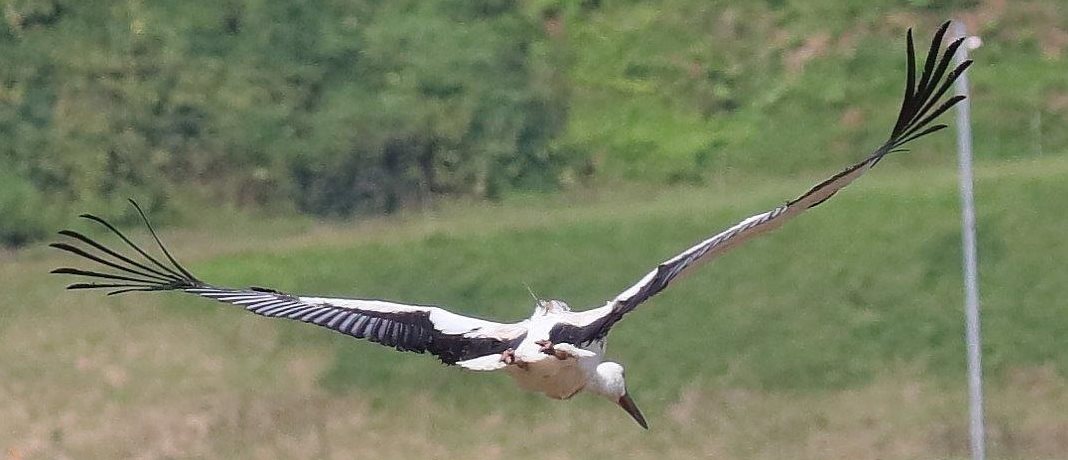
(342, 108)
(837, 336)
(685, 89)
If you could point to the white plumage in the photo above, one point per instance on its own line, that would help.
(556, 351)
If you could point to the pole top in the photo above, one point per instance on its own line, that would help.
(972, 41)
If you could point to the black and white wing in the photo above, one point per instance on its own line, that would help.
(417, 328)
(919, 108)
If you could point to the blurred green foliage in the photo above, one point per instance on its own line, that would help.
(334, 107)
(341, 107)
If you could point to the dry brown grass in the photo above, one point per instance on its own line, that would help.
(287, 417)
(170, 388)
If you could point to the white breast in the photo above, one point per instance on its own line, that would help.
(542, 373)
(557, 379)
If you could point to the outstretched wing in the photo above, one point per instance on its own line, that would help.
(417, 328)
(919, 108)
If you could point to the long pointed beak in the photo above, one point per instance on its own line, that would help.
(628, 405)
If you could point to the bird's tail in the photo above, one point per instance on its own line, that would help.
(918, 108)
(123, 273)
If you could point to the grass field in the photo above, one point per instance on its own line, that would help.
(838, 336)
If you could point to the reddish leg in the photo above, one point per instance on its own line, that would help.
(547, 348)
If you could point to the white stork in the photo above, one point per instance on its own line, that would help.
(556, 351)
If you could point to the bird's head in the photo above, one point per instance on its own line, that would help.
(552, 306)
(609, 383)
(544, 307)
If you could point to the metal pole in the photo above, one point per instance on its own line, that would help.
(971, 276)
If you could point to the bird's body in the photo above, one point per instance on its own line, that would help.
(555, 378)
(556, 351)
(558, 375)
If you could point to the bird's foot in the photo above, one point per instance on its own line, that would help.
(548, 348)
(508, 356)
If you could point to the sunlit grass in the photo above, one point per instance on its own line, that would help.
(834, 336)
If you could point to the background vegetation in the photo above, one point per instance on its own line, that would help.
(566, 145)
(336, 108)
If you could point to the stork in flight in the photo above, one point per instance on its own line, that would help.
(556, 351)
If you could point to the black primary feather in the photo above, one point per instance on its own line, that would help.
(916, 108)
(141, 276)
(404, 330)
(919, 108)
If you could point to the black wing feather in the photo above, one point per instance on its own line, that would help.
(410, 330)
(919, 108)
